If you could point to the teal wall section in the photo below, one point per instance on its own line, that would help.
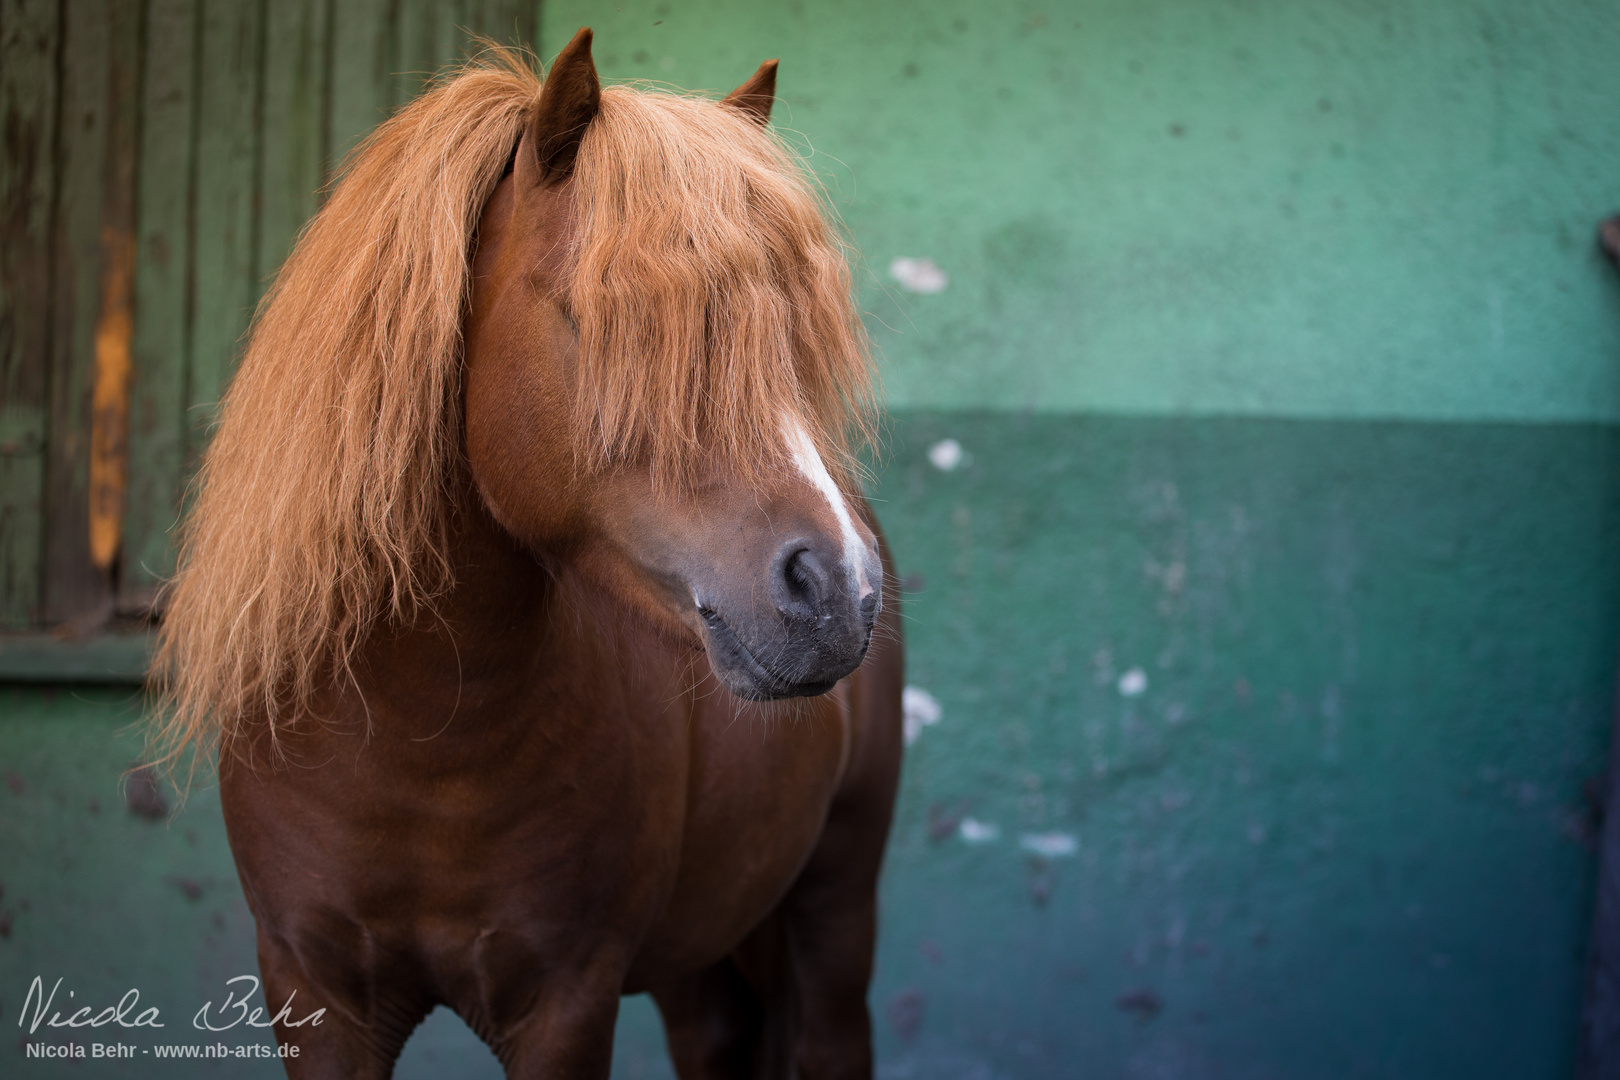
(1276, 599)
(1339, 832)
(101, 898)
(1319, 209)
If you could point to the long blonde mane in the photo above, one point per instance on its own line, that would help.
(700, 241)
(710, 295)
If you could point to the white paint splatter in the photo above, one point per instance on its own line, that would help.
(945, 454)
(815, 470)
(920, 710)
(1133, 682)
(918, 275)
(974, 831)
(1049, 845)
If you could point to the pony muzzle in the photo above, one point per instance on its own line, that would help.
(813, 628)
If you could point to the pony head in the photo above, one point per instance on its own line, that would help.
(662, 368)
(621, 313)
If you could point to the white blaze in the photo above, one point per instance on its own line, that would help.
(815, 470)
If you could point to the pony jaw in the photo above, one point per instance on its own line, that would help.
(741, 672)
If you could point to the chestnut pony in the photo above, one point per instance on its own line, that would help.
(548, 654)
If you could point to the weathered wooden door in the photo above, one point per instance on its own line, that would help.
(159, 158)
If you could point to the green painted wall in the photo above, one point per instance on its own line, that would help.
(1338, 828)
(1340, 831)
(1319, 208)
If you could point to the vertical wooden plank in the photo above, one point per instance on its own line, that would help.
(115, 327)
(386, 50)
(96, 141)
(162, 304)
(225, 282)
(71, 584)
(432, 35)
(363, 35)
(115, 324)
(426, 39)
(296, 94)
(511, 22)
(29, 45)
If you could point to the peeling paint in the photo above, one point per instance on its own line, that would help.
(921, 710)
(1050, 845)
(945, 454)
(1133, 682)
(918, 275)
(974, 831)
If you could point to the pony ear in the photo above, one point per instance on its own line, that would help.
(569, 101)
(755, 96)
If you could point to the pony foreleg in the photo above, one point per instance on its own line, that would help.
(567, 1033)
(828, 920)
(335, 1044)
(712, 1022)
(810, 961)
(829, 944)
(791, 1000)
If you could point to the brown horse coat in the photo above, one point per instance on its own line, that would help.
(553, 846)
(566, 733)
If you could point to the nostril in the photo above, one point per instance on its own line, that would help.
(869, 605)
(800, 582)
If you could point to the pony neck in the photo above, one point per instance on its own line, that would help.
(487, 632)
